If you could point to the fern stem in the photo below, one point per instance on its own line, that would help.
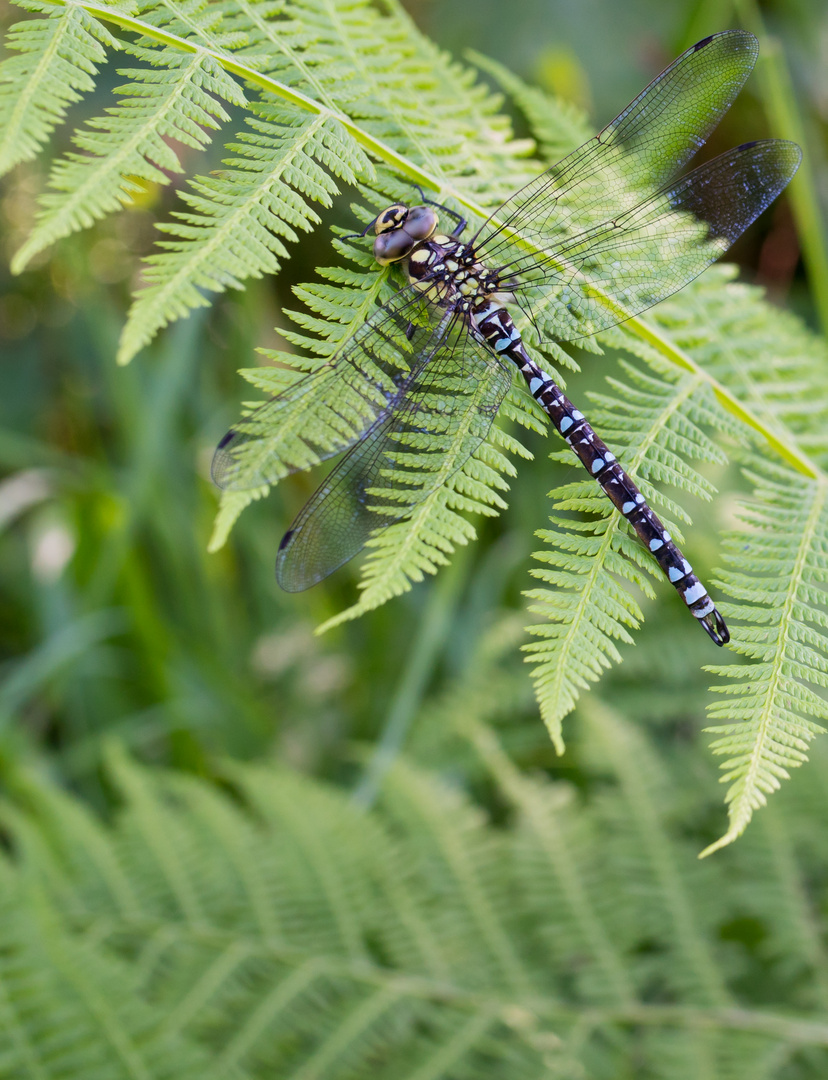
(773, 1025)
(272, 86)
(677, 356)
(414, 680)
(295, 57)
(785, 116)
(307, 968)
(553, 842)
(800, 461)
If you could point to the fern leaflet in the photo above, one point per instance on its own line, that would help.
(655, 425)
(281, 931)
(59, 57)
(776, 573)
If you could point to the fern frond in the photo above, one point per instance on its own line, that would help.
(176, 98)
(776, 571)
(403, 553)
(279, 931)
(291, 158)
(67, 1009)
(59, 57)
(653, 425)
(237, 220)
(760, 353)
(558, 125)
(332, 87)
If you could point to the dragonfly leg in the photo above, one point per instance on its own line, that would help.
(461, 222)
(600, 463)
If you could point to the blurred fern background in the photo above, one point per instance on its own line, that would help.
(235, 848)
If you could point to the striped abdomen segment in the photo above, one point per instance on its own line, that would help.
(496, 325)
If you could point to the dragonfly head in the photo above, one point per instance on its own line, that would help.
(399, 229)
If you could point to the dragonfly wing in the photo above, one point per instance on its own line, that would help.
(329, 410)
(435, 426)
(638, 151)
(615, 270)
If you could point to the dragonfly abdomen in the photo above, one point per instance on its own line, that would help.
(496, 325)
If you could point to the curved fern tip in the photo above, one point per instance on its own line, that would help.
(724, 841)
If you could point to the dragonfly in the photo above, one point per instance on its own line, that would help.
(607, 232)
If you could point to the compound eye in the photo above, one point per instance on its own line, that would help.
(392, 246)
(390, 219)
(422, 222)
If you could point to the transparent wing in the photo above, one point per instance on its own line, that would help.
(606, 233)
(637, 152)
(654, 249)
(435, 426)
(328, 411)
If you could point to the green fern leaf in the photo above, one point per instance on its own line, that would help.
(234, 228)
(175, 98)
(279, 931)
(653, 424)
(59, 57)
(777, 573)
(406, 551)
(67, 1010)
(329, 92)
(558, 125)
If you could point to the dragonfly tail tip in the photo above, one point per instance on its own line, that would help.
(716, 627)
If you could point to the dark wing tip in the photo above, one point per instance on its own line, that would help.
(221, 461)
(785, 152)
(738, 41)
(295, 569)
(735, 32)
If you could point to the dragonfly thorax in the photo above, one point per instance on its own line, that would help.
(448, 272)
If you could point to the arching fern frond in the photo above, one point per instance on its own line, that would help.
(558, 126)
(764, 356)
(276, 930)
(175, 98)
(406, 551)
(67, 1009)
(59, 57)
(236, 220)
(654, 425)
(776, 570)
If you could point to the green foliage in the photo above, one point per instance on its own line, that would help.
(778, 584)
(174, 99)
(655, 425)
(58, 58)
(330, 91)
(273, 928)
